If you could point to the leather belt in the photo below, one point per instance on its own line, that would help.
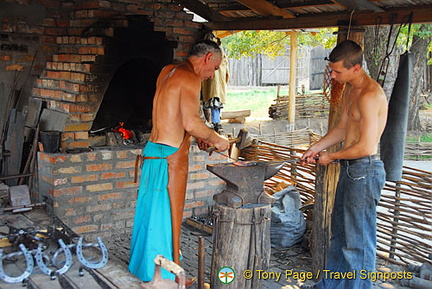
(138, 163)
(367, 159)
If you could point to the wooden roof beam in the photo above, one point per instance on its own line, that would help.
(266, 8)
(202, 10)
(421, 14)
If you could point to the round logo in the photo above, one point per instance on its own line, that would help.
(226, 275)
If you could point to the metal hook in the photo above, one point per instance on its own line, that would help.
(87, 263)
(28, 270)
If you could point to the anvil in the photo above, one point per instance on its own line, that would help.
(244, 182)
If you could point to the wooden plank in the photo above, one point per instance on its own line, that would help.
(14, 144)
(292, 80)
(421, 15)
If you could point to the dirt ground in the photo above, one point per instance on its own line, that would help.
(296, 258)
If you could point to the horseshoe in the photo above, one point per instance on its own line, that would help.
(87, 263)
(68, 256)
(28, 270)
(41, 264)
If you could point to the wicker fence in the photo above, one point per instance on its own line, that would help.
(418, 151)
(404, 212)
(307, 105)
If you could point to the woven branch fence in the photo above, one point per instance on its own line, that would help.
(307, 105)
(404, 225)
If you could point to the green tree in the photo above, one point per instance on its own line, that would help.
(273, 43)
(418, 42)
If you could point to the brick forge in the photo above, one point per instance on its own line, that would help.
(93, 191)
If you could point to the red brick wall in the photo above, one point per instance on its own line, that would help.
(66, 60)
(94, 192)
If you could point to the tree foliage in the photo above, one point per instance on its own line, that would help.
(273, 43)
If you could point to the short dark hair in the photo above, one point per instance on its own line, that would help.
(350, 52)
(203, 47)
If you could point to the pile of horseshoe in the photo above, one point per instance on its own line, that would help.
(51, 250)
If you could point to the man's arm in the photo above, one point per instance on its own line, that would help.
(192, 122)
(333, 137)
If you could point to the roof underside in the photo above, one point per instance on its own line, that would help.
(302, 14)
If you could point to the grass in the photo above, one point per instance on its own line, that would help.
(258, 100)
(426, 137)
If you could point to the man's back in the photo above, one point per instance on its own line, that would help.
(174, 83)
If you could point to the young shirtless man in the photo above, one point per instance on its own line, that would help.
(161, 196)
(362, 175)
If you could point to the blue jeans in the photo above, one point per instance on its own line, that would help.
(215, 115)
(353, 239)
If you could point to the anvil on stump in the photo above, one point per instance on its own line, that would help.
(244, 182)
(241, 228)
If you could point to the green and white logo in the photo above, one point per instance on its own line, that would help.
(226, 275)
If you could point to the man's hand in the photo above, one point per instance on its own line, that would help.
(222, 144)
(202, 145)
(324, 158)
(309, 157)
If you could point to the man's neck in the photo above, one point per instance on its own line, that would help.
(358, 81)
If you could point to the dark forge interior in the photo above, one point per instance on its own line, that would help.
(129, 97)
(138, 54)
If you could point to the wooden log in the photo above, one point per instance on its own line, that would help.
(235, 113)
(240, 119)
(241, 241)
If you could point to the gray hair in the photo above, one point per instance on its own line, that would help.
(203, 47)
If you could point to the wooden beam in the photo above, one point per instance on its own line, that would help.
(266, 8)
(421, 14)
(202, 10)
(292, 80)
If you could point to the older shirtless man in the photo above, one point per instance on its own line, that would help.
(362, 175)
(161, 196)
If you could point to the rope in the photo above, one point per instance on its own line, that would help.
(389, 50)
(349, 26)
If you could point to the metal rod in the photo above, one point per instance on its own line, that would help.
(200, 262)
(16, 176)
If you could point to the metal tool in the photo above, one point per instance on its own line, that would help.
(245, 183)
(241, 141)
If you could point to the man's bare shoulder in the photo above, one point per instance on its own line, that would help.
(179, 74)
(374, 91)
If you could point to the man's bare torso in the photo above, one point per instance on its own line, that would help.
(370, 93)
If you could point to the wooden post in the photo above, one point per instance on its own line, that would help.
(241, 241)
(327, 177)
(292, 80)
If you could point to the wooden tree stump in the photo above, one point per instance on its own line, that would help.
(241, 241)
